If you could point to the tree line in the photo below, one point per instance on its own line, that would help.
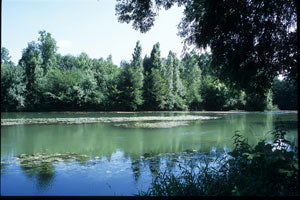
(44, 80)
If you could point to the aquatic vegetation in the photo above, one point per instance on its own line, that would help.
(83, 120)
(264, 169)
(39, 159)
(166, 124)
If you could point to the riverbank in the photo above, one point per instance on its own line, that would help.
(132, 112)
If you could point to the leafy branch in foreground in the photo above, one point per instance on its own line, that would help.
(264, 169)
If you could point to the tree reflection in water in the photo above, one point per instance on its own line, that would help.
(40, 166)
(136, 168)
(43, 171)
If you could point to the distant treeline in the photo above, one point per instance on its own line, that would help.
(44, 80)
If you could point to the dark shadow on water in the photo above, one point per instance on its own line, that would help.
(288, 125)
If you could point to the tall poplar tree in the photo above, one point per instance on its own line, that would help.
(131, 81)
(178, 87)
(191, 75)
(170, 100)
(31, 61)
(155, 90)
(48, 50)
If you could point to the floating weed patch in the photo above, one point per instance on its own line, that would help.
(165, 124)
(38, 160)
(183, 118)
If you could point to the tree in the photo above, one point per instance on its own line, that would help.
(285, 94)
(204, 62)
(48, 49)
(170, 100)
(138, 76)
(12, 84)
(83, 62)
(130, 96)
(88, 92)
(62, 90)
(155, 89)
(31, 62)
(251, 41)
(5, 58)
(131, 81)
(255, 101)
(155, 59)
(192, 81)
(214, 93)
(67, 62)
(107, 75)
(158, 90)
(137, 61)
(175, 88)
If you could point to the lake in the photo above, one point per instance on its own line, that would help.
(82, 153)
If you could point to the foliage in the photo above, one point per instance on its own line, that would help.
(45, 80)
(31, 62)
(107, 78)
(142, 13)
(191, 75)
(214, 94)
(131, 81)
(158, 90)
(130, 95)
(261, 170)
(61, 89)
(176, 90)
(12, 88)
(285, 94)
(251, 41)
(66, 62)
(5, 58)
(155, 87)
(260, 102)
(12, 84)
(70, 90)
(48, 49)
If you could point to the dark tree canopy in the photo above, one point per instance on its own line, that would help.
(142, 12)
(251, 41)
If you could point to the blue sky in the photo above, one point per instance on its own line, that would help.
(84, 26)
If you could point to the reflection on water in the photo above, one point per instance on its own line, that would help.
(288, 125)
(135, 166)
(108, 160)
(44, 174)
(42, 168)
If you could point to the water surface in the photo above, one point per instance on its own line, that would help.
(116, 160)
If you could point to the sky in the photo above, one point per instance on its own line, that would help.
(89, 26)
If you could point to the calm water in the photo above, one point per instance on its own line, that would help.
(116, 160)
